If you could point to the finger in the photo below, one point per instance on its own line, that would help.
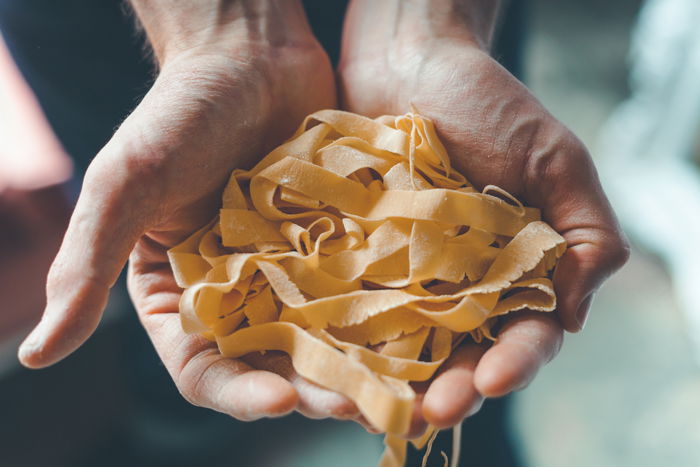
(110, 215)
(527, 341)
(202, 375)
(207, 379)
(452, 395)
(562, 180)
(315, 401)
(318, 402)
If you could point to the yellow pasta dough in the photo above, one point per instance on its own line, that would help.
(357, 232)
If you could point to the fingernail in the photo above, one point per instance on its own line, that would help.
(582, 312)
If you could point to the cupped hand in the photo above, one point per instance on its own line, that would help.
(496, 133)
(211, 109)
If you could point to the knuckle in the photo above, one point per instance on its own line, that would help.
(555, 348)
(99, 175)
(188, 388)
(560, 155)
(618, 252)
(191, 380)
(126, 186)
(130, 170)
(188, 393)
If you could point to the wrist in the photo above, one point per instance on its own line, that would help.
(469, 23)
(226, 27)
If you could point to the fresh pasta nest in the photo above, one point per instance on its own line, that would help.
(357, 232)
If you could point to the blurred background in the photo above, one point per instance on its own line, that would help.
(626, 392)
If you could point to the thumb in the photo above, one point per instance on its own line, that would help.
(107, 221)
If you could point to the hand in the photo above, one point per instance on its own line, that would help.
(225, 95)
(496, 133)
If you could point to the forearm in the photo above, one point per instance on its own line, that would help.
(178, 26)
(473, 21)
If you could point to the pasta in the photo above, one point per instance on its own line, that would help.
(358, 232)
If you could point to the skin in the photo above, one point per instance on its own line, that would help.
(436, 58)
(235, 79)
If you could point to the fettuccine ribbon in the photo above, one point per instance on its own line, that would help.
(357, 232)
